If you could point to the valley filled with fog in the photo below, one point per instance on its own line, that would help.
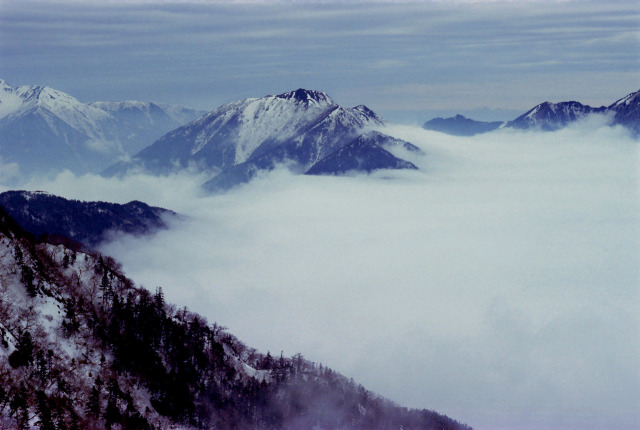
(501, 275)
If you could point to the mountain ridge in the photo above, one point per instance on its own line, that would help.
(548, 116)
(460, 125)
(45, 130)
(90, 223)
(552, 116)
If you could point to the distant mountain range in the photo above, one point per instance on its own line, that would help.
(547, 116)
(461, 126)
(44, 130)
(44, 214)
(298, 129)
(81, 347)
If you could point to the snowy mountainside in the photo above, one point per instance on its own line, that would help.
(84, 118)
(82, 347)
(45, 130)
(90, 223)
(552, 116)
(627, 112)
(366, 153)
(239, 139)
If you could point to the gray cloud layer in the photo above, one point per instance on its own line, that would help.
(498, 285)
(397, 58)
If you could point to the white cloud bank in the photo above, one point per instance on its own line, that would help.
(498, 285)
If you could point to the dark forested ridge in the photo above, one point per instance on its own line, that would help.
(82, 347)
(86, 222)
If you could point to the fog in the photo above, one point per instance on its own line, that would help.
(498, 284)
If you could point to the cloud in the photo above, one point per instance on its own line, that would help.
(498, 284)
(9, 172)
(164, 191)
(212, 53)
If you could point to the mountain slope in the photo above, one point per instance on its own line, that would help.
(45, 130)
(626, 112)
(82, 347)
(460, 126)
(86, 222)
(365, 153)
(140, 123)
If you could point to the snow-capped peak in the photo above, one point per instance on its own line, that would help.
(551, 116)
(81, 116)
(257, 120)
(307, 96)
(369, 115)
(43, 95)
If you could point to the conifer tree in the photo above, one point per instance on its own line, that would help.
(93, 404)
(44, 411)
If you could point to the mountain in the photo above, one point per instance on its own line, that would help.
(90, 223)
(239, 139)
(553, 116)
(626, 112)
(460, 126)
(366, 153)
(547, 116)
(44, 130)
(82, 347)
(140, 123)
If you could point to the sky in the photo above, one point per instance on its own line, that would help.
(408, 61)
(498, 284)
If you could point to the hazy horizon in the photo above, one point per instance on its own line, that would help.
(408, 61)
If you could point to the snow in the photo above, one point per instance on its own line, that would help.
(116, 106)
(24, 99)
(532, 113)
(274, 118)
(51, 315)
(625, 101)
(259, 375)
(268, 119)
(10, 102)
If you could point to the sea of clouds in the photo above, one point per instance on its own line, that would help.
(498, 284)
